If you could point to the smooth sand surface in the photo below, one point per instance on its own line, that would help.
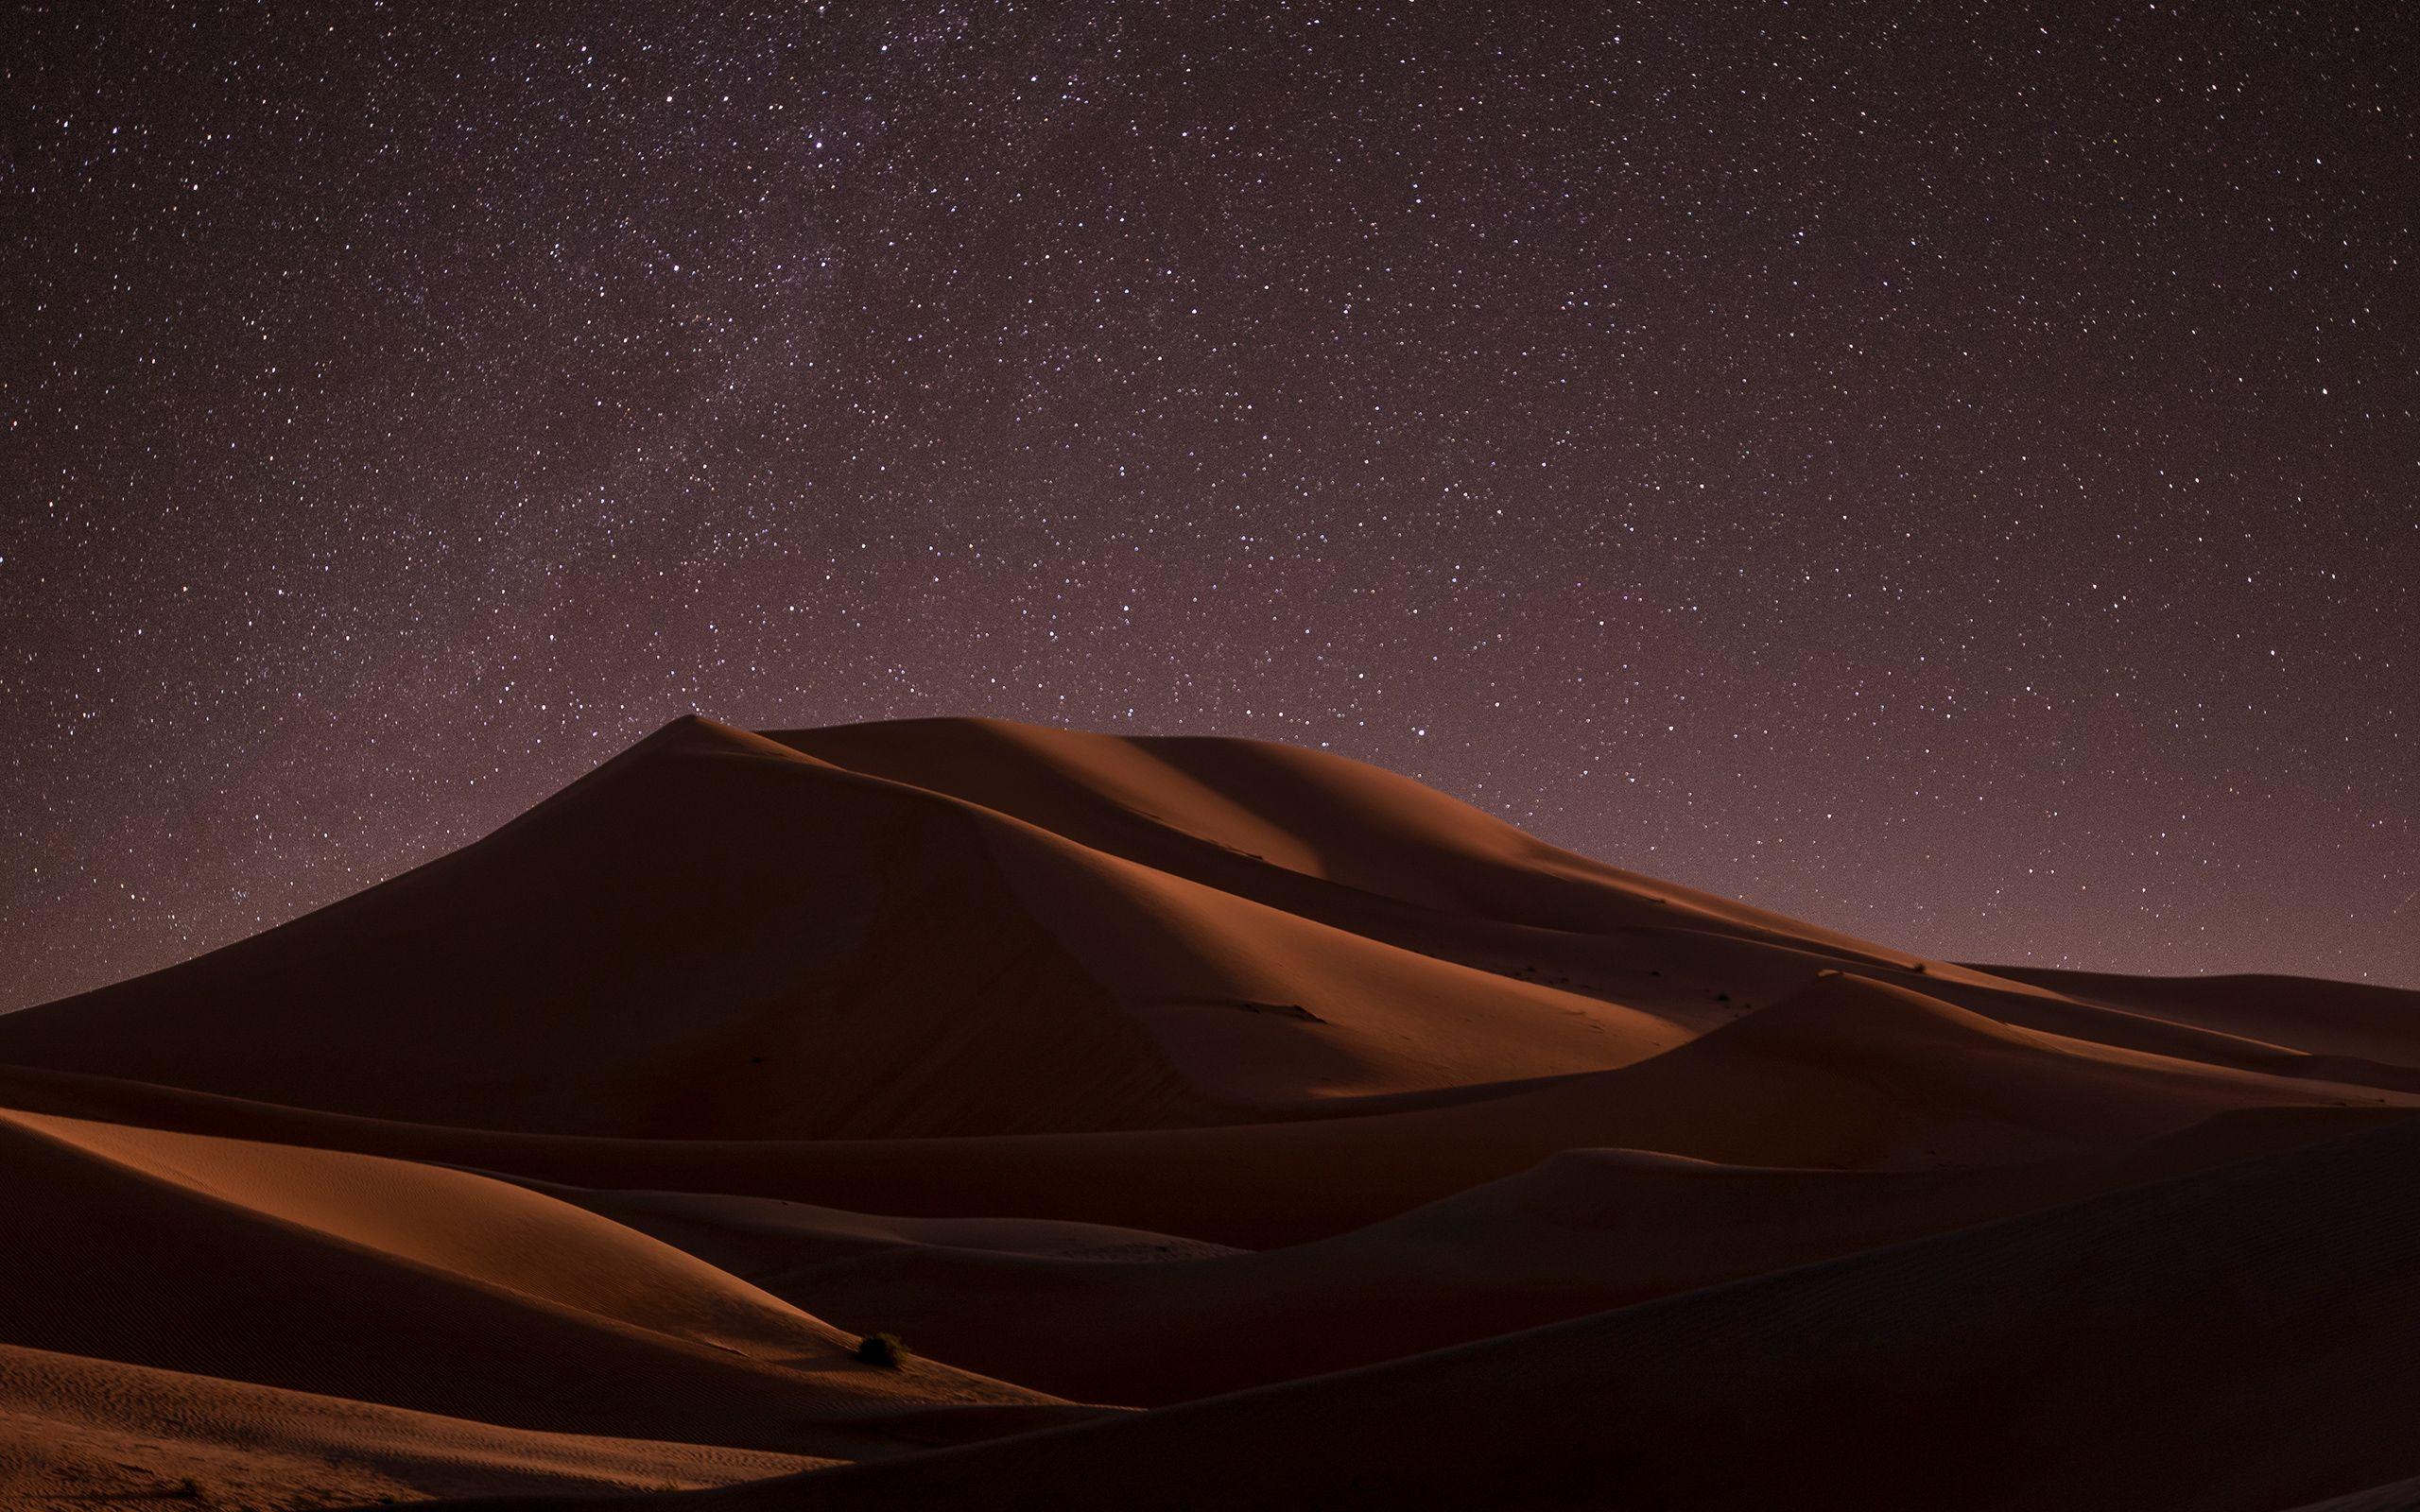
(1153, 1320)
(1221, 1124)
(2232, 1341)
(80, 1433)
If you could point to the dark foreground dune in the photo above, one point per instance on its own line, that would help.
(1222, 1125)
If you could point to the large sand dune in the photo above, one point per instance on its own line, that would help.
(1386, 1155)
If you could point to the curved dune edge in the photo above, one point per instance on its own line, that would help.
(428, 1289)
(1149, 1321)
(1307, 1108)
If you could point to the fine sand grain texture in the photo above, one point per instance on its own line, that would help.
(1218, 1125)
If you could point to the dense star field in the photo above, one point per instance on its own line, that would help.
(1945, 472)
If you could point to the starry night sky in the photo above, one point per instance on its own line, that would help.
(1947, 472)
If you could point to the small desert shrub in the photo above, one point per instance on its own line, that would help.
(883, 1350)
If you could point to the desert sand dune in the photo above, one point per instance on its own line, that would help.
(114, 1437)
(825, 931)
(827, 936)
(1173, 803)
(1913, 1376)
(1850, 1074)
(2349, 1019)
(318, 1271)
(846, 960)
(1387, 1155)
(693, 940)
(1151, 1319)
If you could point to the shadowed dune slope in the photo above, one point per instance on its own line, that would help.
(714, 936)
(1112, 1315)
(1848, 1075)
(1916, 1376)
(984, 929)
(424, 1288)
(92, 1434)
(2345, 1019)
(709, 936)
(1176, 802)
